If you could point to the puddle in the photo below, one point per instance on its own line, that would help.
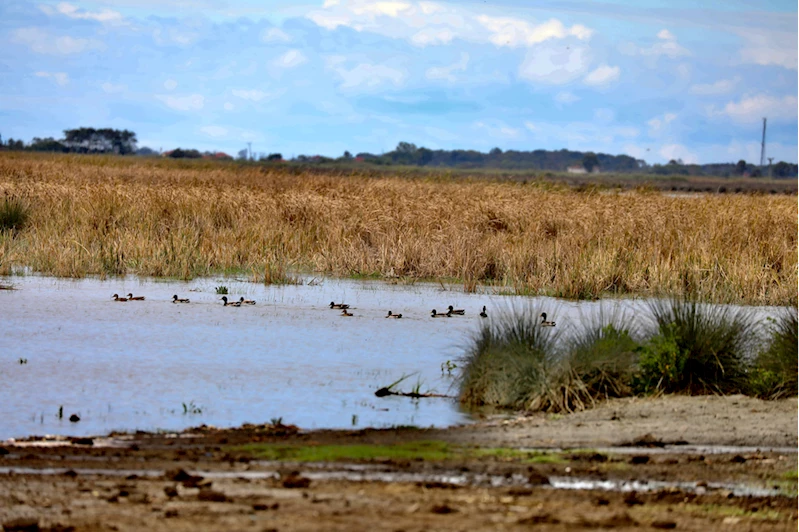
(356, 473)
(157, 366)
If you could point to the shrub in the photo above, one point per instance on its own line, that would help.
(510, 361)
(774, 372)
(696, 348)
(13, 213)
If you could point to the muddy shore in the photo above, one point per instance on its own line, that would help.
(626, 465)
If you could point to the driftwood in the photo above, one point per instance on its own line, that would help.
(385, 391)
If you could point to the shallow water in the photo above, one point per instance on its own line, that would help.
(132, 366)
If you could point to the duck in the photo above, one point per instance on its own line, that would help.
(230, 303)
(176, 299)
(117, 298)
(435, 314)
(137, 298)
(345, 313)
(390, 315)
(338, 305)
(483, 314)
(246, 301)
(544, 322)
(459, 311)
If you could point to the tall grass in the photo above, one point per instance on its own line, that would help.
(698, 348)
(774, 372)
(510, 362)
(115, 215)
(14, 212)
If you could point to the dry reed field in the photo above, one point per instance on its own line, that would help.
(109, 216)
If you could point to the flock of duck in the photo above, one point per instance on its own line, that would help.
(451, 311)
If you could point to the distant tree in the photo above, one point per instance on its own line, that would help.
(783, 169)
(495, 152)
(347, 155)
(243, 155)
(406, 147)
(740, 168)
(590, 161)
(144, 151)
(48, 144)
(672, 162)
(275, 157)
(91, 140)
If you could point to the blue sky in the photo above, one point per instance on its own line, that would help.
(654, 79)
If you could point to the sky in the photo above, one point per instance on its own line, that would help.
(654, 79)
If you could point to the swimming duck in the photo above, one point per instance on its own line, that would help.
(117, 298)
(544, 322)
(345, 313)
(246, 301)
(176, 299)
(230, 303)
(137, 298)
(459, 311)
(338, 305)
(483, 314)
(390, 315)
(435, 314)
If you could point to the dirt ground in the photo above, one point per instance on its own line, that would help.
(204, 479)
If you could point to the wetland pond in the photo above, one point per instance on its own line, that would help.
(154, 365)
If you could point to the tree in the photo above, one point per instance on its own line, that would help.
(406, 147)
(590, 161)
(347, 155)
(740, 168)
(275, 157)
(495, 152)
(243, 155)
(48, 144)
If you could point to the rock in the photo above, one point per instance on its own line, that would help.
(442, 509)
(639, 459)
(212, 496)
(294, 480)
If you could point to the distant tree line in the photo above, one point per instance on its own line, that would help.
(81, 140)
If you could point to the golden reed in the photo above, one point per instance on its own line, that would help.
(154, 217)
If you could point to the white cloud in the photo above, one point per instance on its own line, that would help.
(506, 31)
(593, 136)
(603, 75)
(604, 115)
(275, 35)
(427, 23)
(191, 102)
(721, 86)
(764, 47)
(659, 122)
(170, 84)
(229, 106)
(754, 108)
(61, 78)
(214, 131)
(290, 59)
(566, 98)
(666, 35)
(71, 11)
(254, 95)
(447, 72)
(678, 151)
(498, 129)
(110, 88)
(548, 63)
(42, 42)
(365, 75)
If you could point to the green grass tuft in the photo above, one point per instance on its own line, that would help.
(426, 450)
(14, 212)
(774, 372)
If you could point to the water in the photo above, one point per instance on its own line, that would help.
(133, 366)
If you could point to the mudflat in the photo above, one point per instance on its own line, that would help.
(626, 465)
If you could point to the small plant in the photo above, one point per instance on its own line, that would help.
(221, 290)
(276, 421)
(14, 212)
(355, 420)
(774, 371)
(61, 412)
(23, 360)
(191, 409)
(448, 367)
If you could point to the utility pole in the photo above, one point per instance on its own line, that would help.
(249, 149)
(763, 146)
(769, 165)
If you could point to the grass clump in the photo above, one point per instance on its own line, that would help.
(14, 213)
(511, 362)
(774, 371)
(696, 348)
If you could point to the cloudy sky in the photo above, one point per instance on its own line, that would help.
(655, 79)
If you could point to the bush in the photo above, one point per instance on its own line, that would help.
(696, 348)
(774, 372)
(601, 362)
(510, 361)
(13, 213)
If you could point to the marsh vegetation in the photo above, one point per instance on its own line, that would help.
(108, 216)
